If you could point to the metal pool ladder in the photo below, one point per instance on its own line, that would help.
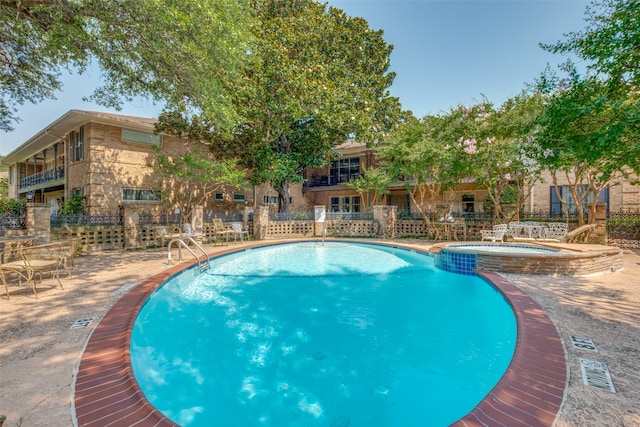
(182, 242)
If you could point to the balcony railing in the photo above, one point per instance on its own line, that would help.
(43, 177)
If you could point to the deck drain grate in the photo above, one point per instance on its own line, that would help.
(82, 323)
(123, 289)
(583, 343)
(596, 374)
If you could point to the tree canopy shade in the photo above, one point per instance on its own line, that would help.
(184, 53)
(192, 178)
(318, 78)
(592, 123)
(610, 42)
(477, 142)
(593, 135)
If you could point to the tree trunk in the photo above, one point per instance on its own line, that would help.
(283, 196)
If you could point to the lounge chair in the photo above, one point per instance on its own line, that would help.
(238, 231)
(573, 235)
(497, 233)
(555, 230)
(188, 231)
(220, 230)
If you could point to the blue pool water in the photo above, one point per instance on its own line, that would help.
(334, 335)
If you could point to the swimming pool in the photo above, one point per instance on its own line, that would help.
(312, 334)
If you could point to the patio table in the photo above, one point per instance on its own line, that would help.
(449, 230)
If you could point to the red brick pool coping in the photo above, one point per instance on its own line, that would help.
(530, 392)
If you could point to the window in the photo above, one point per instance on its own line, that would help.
(77, 191)
(76, 145)
(273, 200)
(270, 200)
(344, 170)
(141, 194)
(219, 196)
(468, 202)
(345, 204)
(565, 192)
(239, 197)
(148, 138)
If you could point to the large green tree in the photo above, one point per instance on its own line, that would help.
(610, 42)
(319, 78)
(422, 156)
(192, 178)
(184, 53)
(592, 123)
(590, 136)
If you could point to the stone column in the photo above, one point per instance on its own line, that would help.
(384, 221)
(197, 219)
(130, 221)
(599, 234)
(38, 221)
(320, 218)
(261, 222)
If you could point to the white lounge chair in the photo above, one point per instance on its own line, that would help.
(555, 230)
(497, 233)
(238, 231)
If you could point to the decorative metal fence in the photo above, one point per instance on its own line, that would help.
(226, 217)
(623, 228)
(150, 218)
(13, 221)
(111, 218)
(291, 216)
(350, 216)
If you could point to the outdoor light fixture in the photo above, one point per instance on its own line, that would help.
(29, 196)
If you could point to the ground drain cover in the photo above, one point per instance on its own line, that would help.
(123, 289)
(583, 343)
(82, 323)
(596, 374)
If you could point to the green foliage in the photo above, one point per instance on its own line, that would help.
(9, 206)
(318, 79)
(477, 142)
(192, 178)
(508, 197)
(4, 188)
(609, 43)
(371, 185)
(591, 124)
(73, 206)
(184, 53)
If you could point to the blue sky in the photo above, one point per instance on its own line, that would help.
(446, 53)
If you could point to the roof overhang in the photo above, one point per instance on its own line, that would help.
(73, 119)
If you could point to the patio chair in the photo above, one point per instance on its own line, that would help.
(188, 231)
(15, 267)
(496, 233)
(554, 230)
(48, 257)
(36, 260)
(573, 235)
(238, 231)
(220, 230)
(68, 252)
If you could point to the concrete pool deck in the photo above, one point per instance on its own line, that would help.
(39, 349)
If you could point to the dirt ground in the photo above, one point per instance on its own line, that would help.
(40, 351)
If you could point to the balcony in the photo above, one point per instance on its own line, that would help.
(47, 176)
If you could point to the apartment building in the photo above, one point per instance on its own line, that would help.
(104, 157)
